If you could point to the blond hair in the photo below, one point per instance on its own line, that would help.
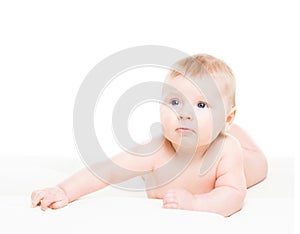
(200, 65)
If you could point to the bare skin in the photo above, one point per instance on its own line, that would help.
(240, 164)
(255, 170)
(255, 162)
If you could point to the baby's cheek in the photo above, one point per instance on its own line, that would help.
(169, 123)
(205, 129)
(167, 116)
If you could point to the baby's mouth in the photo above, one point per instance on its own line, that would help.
(185, 130)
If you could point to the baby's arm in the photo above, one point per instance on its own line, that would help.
(79, 184)
(230, 187)
(85, 181)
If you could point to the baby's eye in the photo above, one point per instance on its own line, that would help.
(175, 102)
(201, 105)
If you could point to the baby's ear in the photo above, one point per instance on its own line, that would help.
(230, 117)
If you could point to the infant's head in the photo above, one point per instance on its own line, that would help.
(199, 100)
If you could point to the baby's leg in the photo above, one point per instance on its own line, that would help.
(255, 163)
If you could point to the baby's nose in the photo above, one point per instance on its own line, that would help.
(182, 116)
(185, 112)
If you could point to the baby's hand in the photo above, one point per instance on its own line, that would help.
(179, 199)
(53, 198)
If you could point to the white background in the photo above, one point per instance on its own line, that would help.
(48, 47)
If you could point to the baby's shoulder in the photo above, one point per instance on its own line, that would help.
(231, 157)
(231, 142)
(222, 152)
(230, 146)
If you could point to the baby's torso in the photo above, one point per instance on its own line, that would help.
(186, 174)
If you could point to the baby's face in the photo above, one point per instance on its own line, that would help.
(188, 115)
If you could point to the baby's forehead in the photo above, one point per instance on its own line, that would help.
(196, 86)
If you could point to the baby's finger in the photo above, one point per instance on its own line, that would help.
(36, 197)
(170, 201)
(45, 202)
(170, 205)
(58, 204)
(169, 198)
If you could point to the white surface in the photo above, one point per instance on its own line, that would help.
(268, 207)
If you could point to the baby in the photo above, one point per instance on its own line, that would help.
(205, 162)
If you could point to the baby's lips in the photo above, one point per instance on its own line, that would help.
(184, 130)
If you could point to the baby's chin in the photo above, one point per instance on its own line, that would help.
(184, 142)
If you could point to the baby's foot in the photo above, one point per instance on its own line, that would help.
(179, 199)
